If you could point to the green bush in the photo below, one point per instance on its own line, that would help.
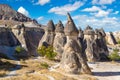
(19, 49)
(114, 55)
(47, 52)
(44, 65)
(118, 41)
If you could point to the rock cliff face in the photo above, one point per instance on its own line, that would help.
(29, 37)
(59, 40)
(7, 13)
(72, 60)
(111, 39)
(48, 37)
(8, 41)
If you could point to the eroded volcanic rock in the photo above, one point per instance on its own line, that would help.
(72, 60)
(8, 42)
(29, 37)
(7, 13)
(59, 40)
(48, 37)
(111, 38)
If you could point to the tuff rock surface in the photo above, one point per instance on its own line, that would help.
(59, 40)
(72, 60)
(48, 37)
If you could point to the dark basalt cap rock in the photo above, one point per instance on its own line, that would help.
(70, 28)
(50, 26)
(100, 32)
(89, 31)
(59, 27)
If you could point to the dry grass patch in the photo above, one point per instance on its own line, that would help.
(28, 77)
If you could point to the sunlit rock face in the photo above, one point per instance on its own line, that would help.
(90, 44)
(29, 37)
(59, 40)
(110, 38)
(72, 60)
(8, 41)
(48, 37)
(7, 13)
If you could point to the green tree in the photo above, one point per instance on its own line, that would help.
(114, 55)
(48, 52)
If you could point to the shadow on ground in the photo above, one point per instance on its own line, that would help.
(7, 66)
(106, 73)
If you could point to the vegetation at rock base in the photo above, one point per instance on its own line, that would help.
(114, 56)
(118, 41)
(47, 52)
(44, 65)
(19, 49)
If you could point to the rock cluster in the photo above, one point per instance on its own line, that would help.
(95, 44)
(29, 37)
(72, 60)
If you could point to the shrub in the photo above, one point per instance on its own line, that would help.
(44, 65)
(19, 49)
(47, 52)
(118, 41)
(114, 55)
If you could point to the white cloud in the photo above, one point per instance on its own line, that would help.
(40, 18)
(116, 12)
(42, 2)
(102, 2)
(108, 23)
(102, 13)
(23, 11)
(92, 9)
(62, 10)
(97, 11)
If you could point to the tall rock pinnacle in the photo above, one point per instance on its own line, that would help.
(50, 26)
(70, 28)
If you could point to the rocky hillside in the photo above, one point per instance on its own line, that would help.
(7, 13)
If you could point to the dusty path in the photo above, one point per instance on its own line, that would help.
(106, 70)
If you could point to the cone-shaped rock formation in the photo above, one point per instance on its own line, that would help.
(72, 60)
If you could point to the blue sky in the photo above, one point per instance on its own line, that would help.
(96, 13)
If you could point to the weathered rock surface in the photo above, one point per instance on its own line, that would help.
(72, 60)
(49, 35)
(95, 44)
(7, 13)
(101, 44)
(110, 39)
(89, 44)
(29, 37)
(59, 40)
(8, 41)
